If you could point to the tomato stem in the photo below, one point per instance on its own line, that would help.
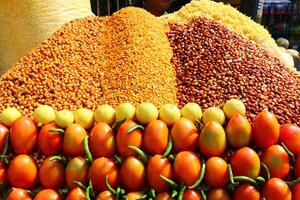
(230, 175)
(181, 192)
(118, 160)
(108, 186)
(5, 147)
(291, 155)
(63, 191)
(265, 167)
(201, 176)
(292, 183)
(57, 130)
(39, 125)
(135, 127)
(169, 147)
(7, 194)
(79, 184)
(174, 193)
(90, 191)
(170, 182)
(203, 195)
(87, 150)
(171, 158)
(59, 158)
(31, 193)
(245, 179)
(140, 153)
(117, 125)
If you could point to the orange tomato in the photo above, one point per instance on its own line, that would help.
(246, 192)
(51, 174)
(47, 194)
(296, 192)
(23, 135)
(156, 137)
(22, 172)
(275, 189)
(187, 167)
(184, 135)
(132, 174)
(102, 141)
(290, 136)
(3, 134)
(134, 195)
(163, 196)
(98, 171)
(105, 195)
(191, 195)
(277, 160)
(50, 143)
(76, 194)
(156, 167)
(76, 170)
(132, 139)
(297, 167)
(18, 194)
(216, 173)
(73, 144)
(218, 194)
(245, 162)
(265, 129)
(2, 173)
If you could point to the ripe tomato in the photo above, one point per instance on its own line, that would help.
(290, 136)
(50, 143)
(2, 173)
(105, 195)
(102, 141)
(3, 134)
(163, 196)
(216, 173)
(156, 137)
(184, 135)
(265, 129)
(297, 167)
(132, 139)
(246, 192)
(212, 140)
(22, 172)
(277, 160)
(134, 195)
(23, 135)
(47, 194)
(52, 174)
(18, 194)
(76, 194)
(156, 167)
(218, 194)
(133, 174)
(238, 131)
(187, 167)
(296, 192)
(245, 162)
(98, 171)
(275, 189)
(73, 144)
(76, 170)
(191, 195)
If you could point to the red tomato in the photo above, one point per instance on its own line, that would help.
(134, 195)
(102, 141)
(73, 144)
(50, 143)
(216, 173)
(76, 194)
(275, 189)
(105, 195)
(98, 171)
(18, 194)
(191, 195)
(132, 139)
(163, 196)
(290, 136)
(187, 167)
(184, 135)
(3, 134)
(156, 167)
(265, 129)
(22, 172)
(47, 194)
(76, 170)
(218, 194)
(156, 137)
(297, 167)
(52, 174)
(296, 192)
(246, 192)
(2, 173)
(245, 162)
(212, 140)
(23, 135)
(277, 160)
(133, 174)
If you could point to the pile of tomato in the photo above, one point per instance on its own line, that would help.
(187, 160)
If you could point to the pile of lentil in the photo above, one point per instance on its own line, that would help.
(214, 64)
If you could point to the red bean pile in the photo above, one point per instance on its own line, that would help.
(213, 64)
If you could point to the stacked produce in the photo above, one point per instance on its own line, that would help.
(148, 153)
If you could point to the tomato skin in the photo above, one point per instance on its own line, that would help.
(18, 194)
(290, 136)
(245, 162)
(47, 194)
(102, 141)
(218, 194)
(216, 173)
(22, 172)
(265, 130)
(23, 135)
(159, 166)
(124, 140)
(50, 143)
(52, 174)
(98, 171)
(246, 192)
(156, 137)
(163, 196)
(76, 194)
(105, 195)
(2, 173)
(187, 167)
(296, 192)
(77, 169)
(297, 167)
(134, 195)
(191, 195)
(212, 140)
(133, 174)
(184, 135)
(3, 134)
(277, 160)
(275, 189)
(73, 144)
